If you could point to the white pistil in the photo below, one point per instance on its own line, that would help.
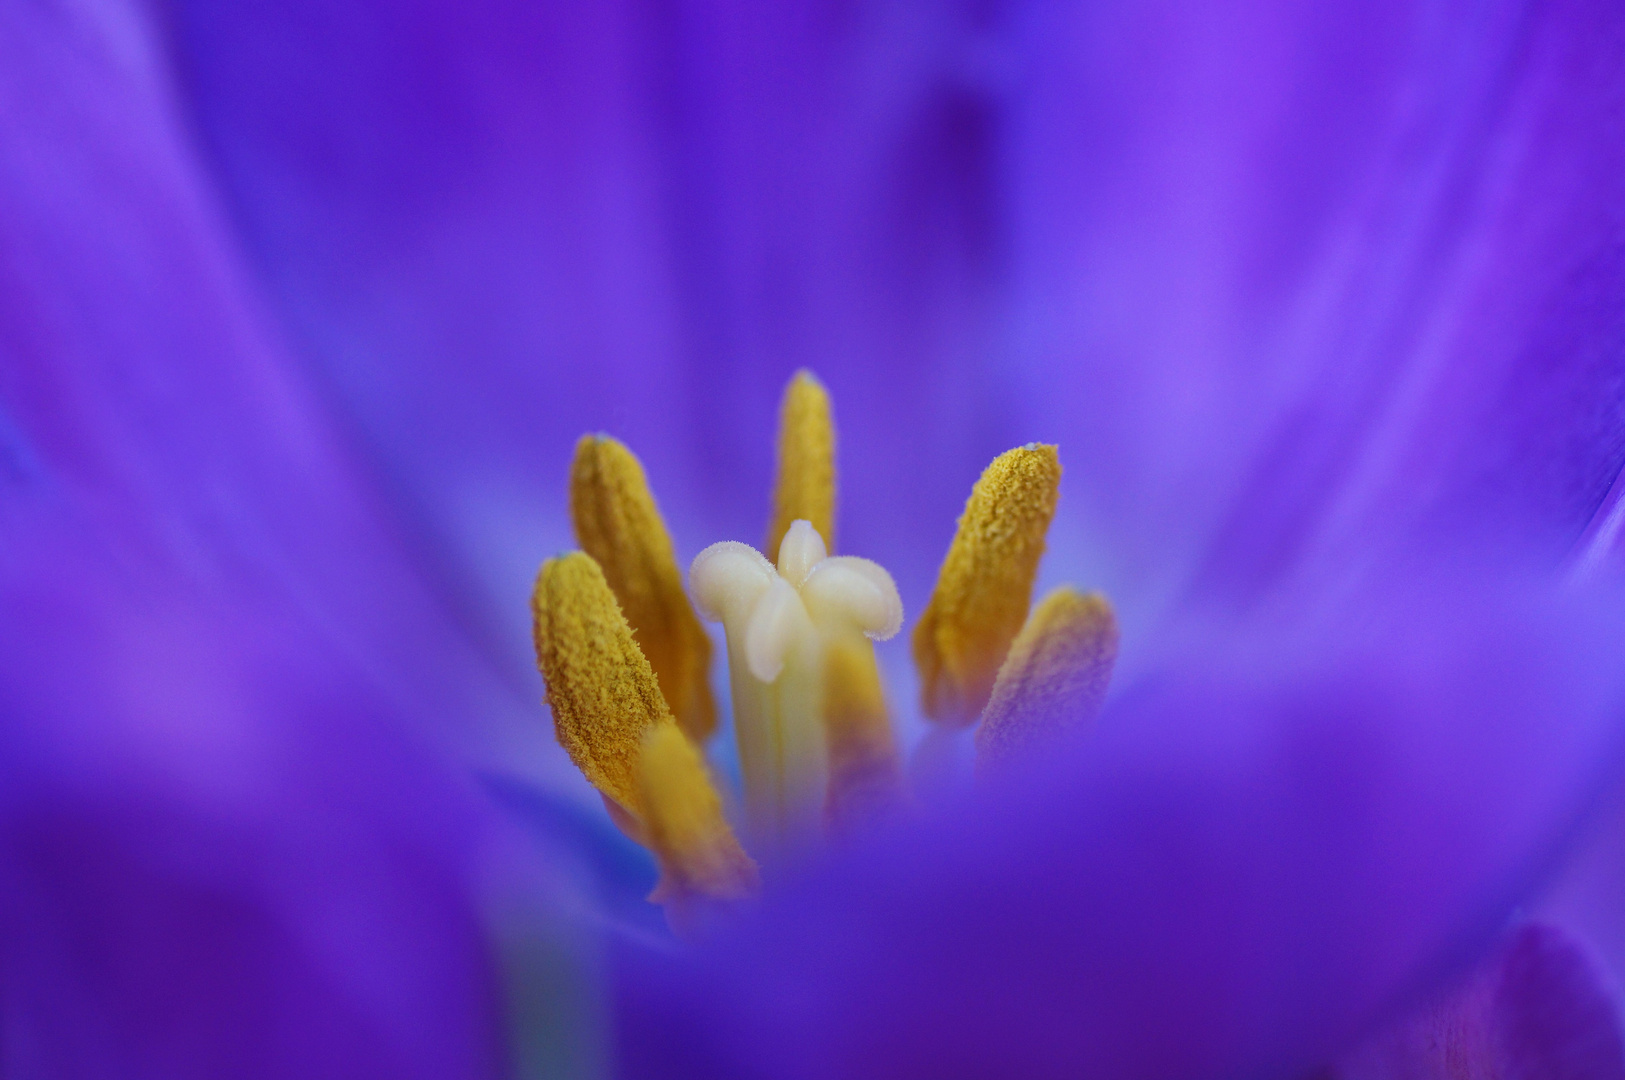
(778, 621)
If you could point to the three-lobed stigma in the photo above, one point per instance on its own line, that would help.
(780, 622)
(625, 659)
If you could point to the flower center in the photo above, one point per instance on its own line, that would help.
(626, 661)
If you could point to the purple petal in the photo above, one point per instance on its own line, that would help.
(222, 857)
(232, 841)
(1281, 279)
(1303, 277)
(497, 226)
(1556, 1015)
(1540, 1009)
(1266, 842)
(1588, 896)
(150, 397)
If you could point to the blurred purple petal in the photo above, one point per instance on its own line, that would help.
(1588, 896)
(150, 396)
(222, 857)
(1556, 1015)
(1276, 277)
(1303, 277)
(1539, 1009)
(1266, 841)
(232, 837)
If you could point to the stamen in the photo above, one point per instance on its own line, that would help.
(865, 776)
(603, 692)
(1054, 679)
(806, 481)
(986, 582)
(684, 826)
(613, 722)
(618, 524)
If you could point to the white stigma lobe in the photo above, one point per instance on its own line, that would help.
(800, 551)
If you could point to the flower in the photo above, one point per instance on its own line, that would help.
(1291, 287)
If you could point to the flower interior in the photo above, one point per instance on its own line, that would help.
(626, 660)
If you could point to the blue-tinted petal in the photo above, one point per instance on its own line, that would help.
(1298, 277)
(1588, 895)
(1557, 1016)
(146, 392)
(234, 840)
(1539, 1009)
(1263, 845)
(222, 856)
(1278, 278)
(496, 226)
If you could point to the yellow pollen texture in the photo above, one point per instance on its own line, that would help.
(985, 584)
(865, 775)
(1054, 679)
(699, 854)
(603, 692)
(806, 481)
(617, 523)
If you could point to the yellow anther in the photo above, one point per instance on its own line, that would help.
(1054, 679)
(986, 583)
(603, 692)
(618, 524)
(865, 776)
(683, 824)
(806, 483)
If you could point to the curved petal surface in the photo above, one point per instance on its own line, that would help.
(498, 225)
(222, 857)
(1263, 846)
(1281, 279)
(1556, 1013)
(232, 840)
(1540, 1009)
(146, 393)
(1301, 278)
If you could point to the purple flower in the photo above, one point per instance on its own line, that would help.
(303, 305)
